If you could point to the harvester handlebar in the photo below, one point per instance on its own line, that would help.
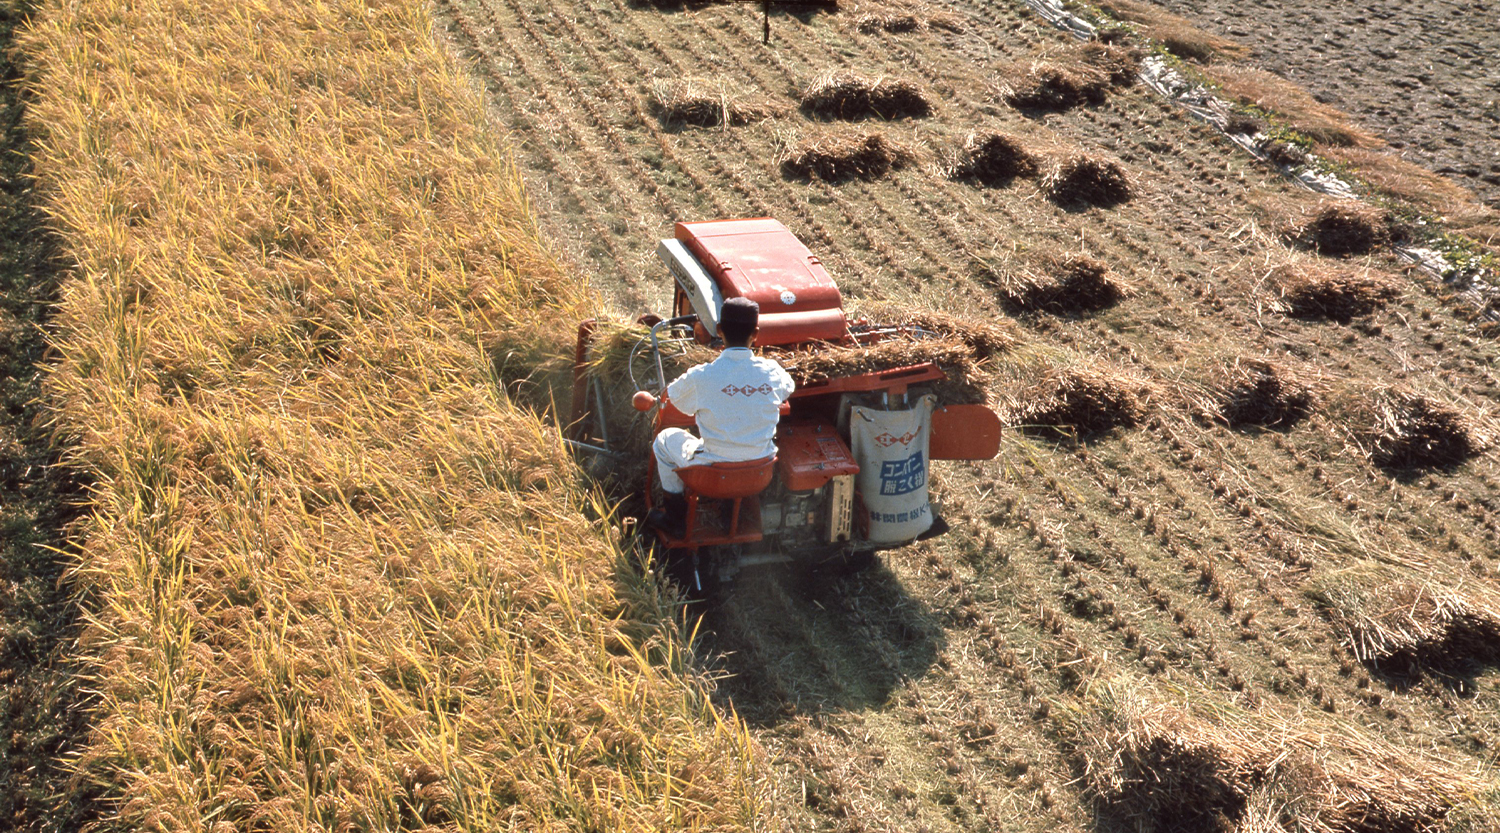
(679, 321)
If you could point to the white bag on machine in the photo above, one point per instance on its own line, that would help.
(891, 448)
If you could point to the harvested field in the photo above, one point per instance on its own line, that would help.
(929, 691)
(1120, 64)
(1082, 179)
(1415, 74)
(841, 157)
(1403, 624)
(1257, 392)
(1176, 33)
(1082, 399)
(850, 96)
(1295, 107)
(1163, 766)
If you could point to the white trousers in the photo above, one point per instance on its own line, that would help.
(675, 448)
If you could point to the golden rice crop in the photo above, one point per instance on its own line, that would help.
(339, 580)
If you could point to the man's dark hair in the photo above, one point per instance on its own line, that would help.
(737, 321)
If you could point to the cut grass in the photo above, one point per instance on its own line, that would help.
(342, 580)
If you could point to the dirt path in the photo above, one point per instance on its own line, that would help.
(925, 694)
(1422, 74)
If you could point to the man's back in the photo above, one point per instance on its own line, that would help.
(736, 401)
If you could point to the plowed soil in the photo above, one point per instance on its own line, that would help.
(1422, 75)
(925, 694)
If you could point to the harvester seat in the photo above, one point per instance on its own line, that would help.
(732, 482)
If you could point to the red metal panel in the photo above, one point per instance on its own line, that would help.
(964, 432)
(809, 454)
(762, 260)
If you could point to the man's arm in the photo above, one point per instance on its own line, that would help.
(684, 392)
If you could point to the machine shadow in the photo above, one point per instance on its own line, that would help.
(790, 642)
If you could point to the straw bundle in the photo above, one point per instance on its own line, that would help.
(1405, 429)
(1258, 392)
(994, 159)
(1084, 179)
(705, 103)
(1406, 623)
(1087, 398)
(1322, 290)
(1045, 85)
(846, 95)
(905, 17)
(1344, 227)
(1057, 282)
(982, 335)
(1121, 64)
(840, 157)
(1189, 766)
(965, 381)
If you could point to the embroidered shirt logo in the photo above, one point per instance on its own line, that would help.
(732, 390)
(888, 440)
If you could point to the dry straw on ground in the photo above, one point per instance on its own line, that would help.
(1081, 398)
(840, 157)
(1157, 765)
(340, 580)
(1086, 179)
(1121, 64)
(1257, 392)
(901, 18)
(1056, 282)
(1292, 104)
(1311, 289)
(848, 95)
(1404, 429)
(1402, 623)
(706, 103)
(1176, 34)
(994, 159)
(1340, 228)
(1053, 85)
(1395, 178)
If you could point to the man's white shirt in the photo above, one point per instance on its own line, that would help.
(736, 400)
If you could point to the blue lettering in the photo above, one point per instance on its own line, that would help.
(898, 477)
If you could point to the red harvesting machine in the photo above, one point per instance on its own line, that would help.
(850, 474)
